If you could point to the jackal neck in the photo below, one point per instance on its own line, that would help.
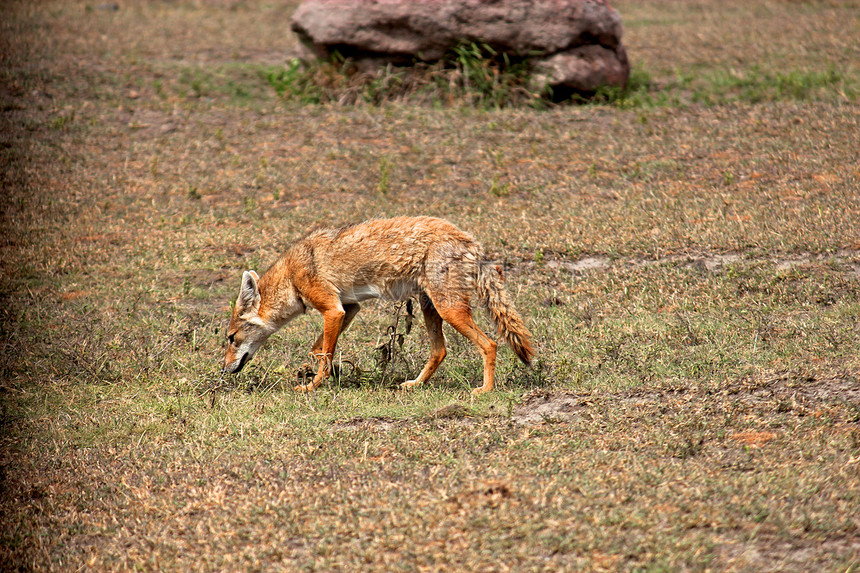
(279, 299)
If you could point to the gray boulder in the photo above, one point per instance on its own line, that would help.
(573, 45)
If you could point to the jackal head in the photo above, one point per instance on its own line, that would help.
(247, 330)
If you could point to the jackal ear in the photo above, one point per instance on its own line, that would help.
(249, 292)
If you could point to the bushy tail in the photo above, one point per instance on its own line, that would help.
(509, 324)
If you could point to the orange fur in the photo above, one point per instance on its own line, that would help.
(334, 270)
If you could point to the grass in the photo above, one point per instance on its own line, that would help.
(471, 74)
(685, 253)
(474, 76)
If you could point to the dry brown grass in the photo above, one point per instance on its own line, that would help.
(687, 257)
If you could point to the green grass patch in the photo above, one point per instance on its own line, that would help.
(477, 77)
(471, 74)
(757, 85)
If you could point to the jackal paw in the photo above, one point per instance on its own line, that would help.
(481, 390)
(411, 383)
(304, 376)
(307, 371)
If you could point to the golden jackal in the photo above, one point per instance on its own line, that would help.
(333, 270)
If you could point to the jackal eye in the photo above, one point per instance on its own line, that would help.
(230, 338)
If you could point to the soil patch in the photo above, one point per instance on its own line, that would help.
(790, 391)
(773, 555)
(710, 262)
(784, 392)
(369, 423)
(549, 407)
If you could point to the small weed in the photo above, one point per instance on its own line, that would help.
(384, 183)
(487, 78)
(294, 82)
(197, 85)
(499, 188)
(62, 121)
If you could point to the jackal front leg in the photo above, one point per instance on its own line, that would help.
(332, 325)
(316, 353)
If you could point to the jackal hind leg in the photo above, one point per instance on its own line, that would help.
(459, 315)
(433, 322)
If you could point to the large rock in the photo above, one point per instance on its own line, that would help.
(583, 69)
(574, 44)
